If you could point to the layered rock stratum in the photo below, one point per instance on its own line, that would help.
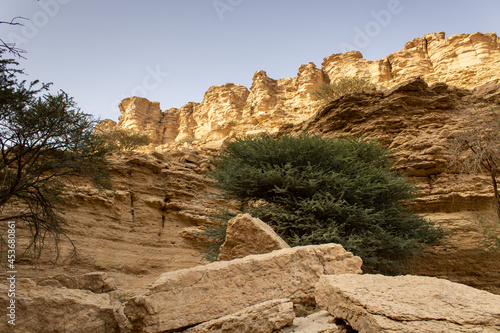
(418, 122)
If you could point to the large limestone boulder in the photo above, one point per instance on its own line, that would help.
(247, 235)
(376, 303)
(265, 317)
(47, 309)
(188, 297)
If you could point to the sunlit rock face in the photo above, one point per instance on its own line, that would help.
(464, 60)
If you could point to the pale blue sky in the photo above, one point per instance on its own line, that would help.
(172, 51)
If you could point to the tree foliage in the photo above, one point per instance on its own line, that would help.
(326, 93)
(315, 190)
(125, 139)
(45, 141)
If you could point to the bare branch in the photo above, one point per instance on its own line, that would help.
(11, 47)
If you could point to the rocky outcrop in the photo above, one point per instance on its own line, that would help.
(418, 122)
(464, 61)
(266, 317)
(141, 115)
(221, 107)
(376, 303)
(246, 235)
(191, 296)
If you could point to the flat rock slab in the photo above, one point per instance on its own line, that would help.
(247, 235)
(265, 317)
(191, 296)
(45, 309)
(377, 303)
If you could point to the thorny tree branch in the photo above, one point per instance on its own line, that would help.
(11, 47)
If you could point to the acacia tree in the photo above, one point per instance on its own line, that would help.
(315, 190)
(45, 141)
(477, 147)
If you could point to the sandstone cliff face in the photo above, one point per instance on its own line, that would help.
(146, 225)
(465, 61)
(141, 115)
(140, 229)
(226, 110)
(413, 118)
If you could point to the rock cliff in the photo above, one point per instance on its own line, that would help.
(464, 60)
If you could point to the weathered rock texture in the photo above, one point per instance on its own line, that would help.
(247, 235)
(318, 322)
(96, 282)
(376, 303)
(136, 228)
(265, 317)
(190, 296)
(464, 60)
(47, 309)
(135, 231)
(418, 122)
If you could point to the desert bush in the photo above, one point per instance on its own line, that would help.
(125, 139)
(317, 190)
(325, 93)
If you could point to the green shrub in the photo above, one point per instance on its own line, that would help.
(314, 190)
(125, 139)
(326, 93)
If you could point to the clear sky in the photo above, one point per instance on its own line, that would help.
(172, 51)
